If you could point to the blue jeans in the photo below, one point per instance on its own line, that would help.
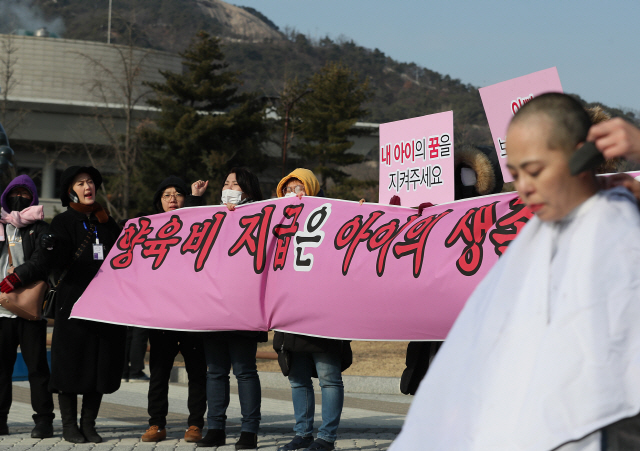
(327, 364)
(222, 352)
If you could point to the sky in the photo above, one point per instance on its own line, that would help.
(594, 44)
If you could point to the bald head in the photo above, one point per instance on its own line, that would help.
(569, 121)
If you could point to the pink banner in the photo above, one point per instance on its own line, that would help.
(314, 266)
(416, 159)
(502, 101)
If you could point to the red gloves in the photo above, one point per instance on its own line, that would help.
(10, 283)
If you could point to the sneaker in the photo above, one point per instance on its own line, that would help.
(321, 445)
(214, 437)
(248, 440)
(42, 430)
(193, 434)
(154, 434)
(298, 442)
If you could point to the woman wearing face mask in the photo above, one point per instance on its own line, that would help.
(236, 349)
(86, 357)
(20, 233)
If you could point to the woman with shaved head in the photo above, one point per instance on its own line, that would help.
(544, 355)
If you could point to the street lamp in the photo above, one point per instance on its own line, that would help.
(285, 144)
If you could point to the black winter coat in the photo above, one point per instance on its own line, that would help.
(33, 268)
(86, 356)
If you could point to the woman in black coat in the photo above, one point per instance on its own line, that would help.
(86, 357)
(165, 345)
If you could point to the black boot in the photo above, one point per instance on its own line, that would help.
(90, 407)
(69, 413)
(4, 429)
(43, 429)
(214, 437)
(248, 440)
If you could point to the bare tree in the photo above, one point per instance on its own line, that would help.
(8, 82)
(119, 88)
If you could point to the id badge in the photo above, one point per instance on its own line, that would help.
(98, 252)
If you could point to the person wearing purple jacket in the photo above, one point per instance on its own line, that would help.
(22, 226)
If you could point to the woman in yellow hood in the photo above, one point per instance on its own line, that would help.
(301, 176)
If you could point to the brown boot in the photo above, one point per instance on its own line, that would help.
(154, 434)
(193, 434)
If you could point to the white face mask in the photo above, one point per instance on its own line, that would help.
(291, 194)
(231, 196)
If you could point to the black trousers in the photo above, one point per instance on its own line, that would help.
(135, 350)
(32, 338)
(165, 345)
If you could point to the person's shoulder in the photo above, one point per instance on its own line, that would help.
(65, 221)
(618, 203)
(65, 216)
(616, 218)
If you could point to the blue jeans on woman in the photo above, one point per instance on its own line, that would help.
(327, 365)
(222, 351)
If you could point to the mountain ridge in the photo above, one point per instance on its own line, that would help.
(267, 57)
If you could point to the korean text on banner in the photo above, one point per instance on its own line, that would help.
(503, 100)
(314, 266)
(416, 160)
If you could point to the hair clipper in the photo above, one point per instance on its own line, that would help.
(585, 158)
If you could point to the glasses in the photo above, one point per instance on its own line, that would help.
(176, 196)
(295, 189)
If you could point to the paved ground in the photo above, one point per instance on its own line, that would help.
(369, 422)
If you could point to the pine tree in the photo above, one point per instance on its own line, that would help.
(205, 126)
(327, 118)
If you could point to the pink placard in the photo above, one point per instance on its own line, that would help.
(416, 160)
(502, 100)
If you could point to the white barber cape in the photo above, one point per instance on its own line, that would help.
(547, 349)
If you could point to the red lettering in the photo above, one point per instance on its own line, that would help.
(383, 237)
(509, 225)
(416, 240)
(472, 228)
(256, 244)
(128, 241)
(159, 246)
(284, 234)
(347, 232)
(357, 234)
(201, 239)
(397, 152)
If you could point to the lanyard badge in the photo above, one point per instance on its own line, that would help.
(98, 248)
(98, 251)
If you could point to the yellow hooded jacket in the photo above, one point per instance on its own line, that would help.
(308, 179)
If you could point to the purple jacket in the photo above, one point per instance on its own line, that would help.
(24, 181)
